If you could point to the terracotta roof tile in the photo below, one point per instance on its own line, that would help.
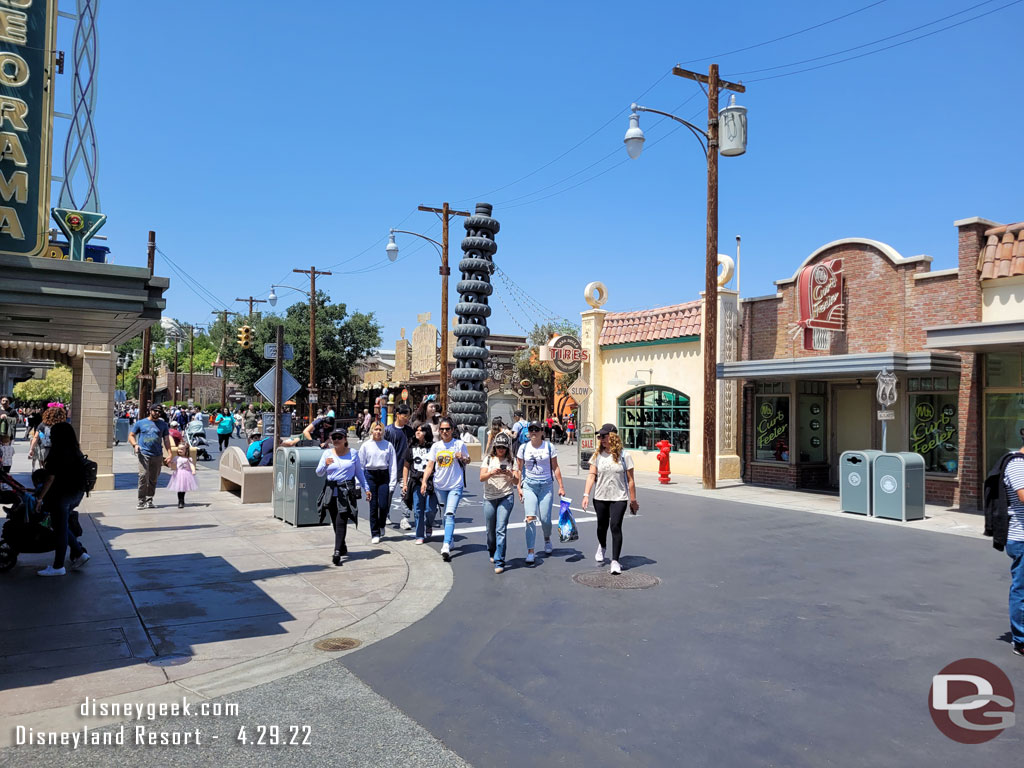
(661, 323)
(1003, 254)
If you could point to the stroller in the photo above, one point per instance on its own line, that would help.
(27, 528)
(196, 435)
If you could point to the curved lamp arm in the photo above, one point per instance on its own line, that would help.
(701, 136)
(272, 298)
(422, 237)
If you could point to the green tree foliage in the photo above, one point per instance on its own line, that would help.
(341, 340)
(528, 364)
(55, 388)
(204, 352)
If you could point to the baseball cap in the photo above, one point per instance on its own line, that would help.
(535, 425)
(607, 429)
(502, 441)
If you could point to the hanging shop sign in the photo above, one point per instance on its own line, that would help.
(564, 354)
(822, 311)
(27, 29)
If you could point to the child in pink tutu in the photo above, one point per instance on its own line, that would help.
(183, 475)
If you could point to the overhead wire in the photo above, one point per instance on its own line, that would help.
(888, 47)
(787, 36)
(192, 284)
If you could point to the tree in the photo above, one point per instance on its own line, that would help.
(529, 366)
(342, 339)
(55, 388)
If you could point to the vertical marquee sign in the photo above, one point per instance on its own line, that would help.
(822, 312)
(27, 56)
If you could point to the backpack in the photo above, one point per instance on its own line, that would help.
(254, 453)
(522, 434)
(91, 470)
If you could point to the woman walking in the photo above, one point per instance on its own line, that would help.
(62, 491)
(499, 480)
(497, 427)
(424, 505)
(538, 469)
(377, 458)
(341, 468)
(611, 471)
(448, 457)
(183, 473)
(427, 414)
(225, 426)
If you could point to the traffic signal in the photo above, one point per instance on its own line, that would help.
(245, 337)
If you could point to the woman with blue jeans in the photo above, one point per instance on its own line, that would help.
(424, 505)
(538, 469)
(448, 457)
(62, 491)
(499, 483)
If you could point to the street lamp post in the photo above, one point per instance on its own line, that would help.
(734, 120)
(445, 213)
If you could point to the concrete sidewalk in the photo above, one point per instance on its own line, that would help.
(202, 601)
(937, 518)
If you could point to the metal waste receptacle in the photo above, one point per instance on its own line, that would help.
(899, 486)
(302, 486)
(855, 481)
(280, 485)
(120, 431)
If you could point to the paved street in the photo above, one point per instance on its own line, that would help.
(775, 637)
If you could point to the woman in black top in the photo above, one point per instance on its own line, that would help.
(62, 492)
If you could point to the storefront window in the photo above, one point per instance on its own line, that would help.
(934, 430)
(811, 421)
(1003, 370)
(649, 415)
(771, 425)
(1004, 424)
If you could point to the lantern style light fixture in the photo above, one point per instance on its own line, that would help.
(634, 135)
(272, 298)
(392, 246)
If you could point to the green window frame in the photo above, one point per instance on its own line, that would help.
(647, 415)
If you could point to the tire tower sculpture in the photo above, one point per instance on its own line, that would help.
(468, 398)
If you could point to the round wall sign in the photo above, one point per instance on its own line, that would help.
(566, 354)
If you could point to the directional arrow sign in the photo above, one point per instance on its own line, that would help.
(289, 386)
(579, 392)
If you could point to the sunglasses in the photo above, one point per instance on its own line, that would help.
(444, 429)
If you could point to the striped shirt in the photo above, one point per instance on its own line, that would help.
(1013, 479)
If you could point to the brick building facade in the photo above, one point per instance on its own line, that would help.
(802, 407)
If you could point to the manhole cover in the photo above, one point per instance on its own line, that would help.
(604, 580)
(336, 644)
(171, 660)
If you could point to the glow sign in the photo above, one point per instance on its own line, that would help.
(820, 288)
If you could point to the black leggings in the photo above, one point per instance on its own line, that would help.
(610, 512)
(339, 511)
(222, 441)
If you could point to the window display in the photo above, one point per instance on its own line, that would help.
(651, 414)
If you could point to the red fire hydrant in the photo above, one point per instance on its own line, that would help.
(663, 446)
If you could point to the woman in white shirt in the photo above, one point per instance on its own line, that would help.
(538, 469)
(340, 467)
(611, 471)
(446, 465)
(377, 457)
(499, 480)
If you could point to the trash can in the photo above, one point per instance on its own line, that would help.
(301, 486)
(855, 475)
(120, 431)
(280, 456)
(899, 486)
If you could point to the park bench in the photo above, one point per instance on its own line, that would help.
(254, 484)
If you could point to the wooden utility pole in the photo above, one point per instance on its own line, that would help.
(445, 212)
(250, 301)
(191, 360)
(710, 329)
(223, 359)
(311, 389)
(146, 378)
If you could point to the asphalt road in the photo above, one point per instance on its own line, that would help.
(774, 638)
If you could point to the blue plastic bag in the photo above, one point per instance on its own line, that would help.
(567, 530)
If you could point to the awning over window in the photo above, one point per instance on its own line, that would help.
(977, 337)
(76, 302)
(841, 366)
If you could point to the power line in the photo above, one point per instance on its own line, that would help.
(191, 283)
(787, 36)
(894, 45)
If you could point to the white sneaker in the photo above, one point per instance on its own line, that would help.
(375, 540)
(530, 557)
(616, 568)
(51, 571)
(446, 552)
(599, 555)
(547, 546)
(404, 525)
(78, 562)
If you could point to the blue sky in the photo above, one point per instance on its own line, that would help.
(258, 136)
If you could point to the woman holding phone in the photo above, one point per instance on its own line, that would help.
(499, 480)
(611, 471)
